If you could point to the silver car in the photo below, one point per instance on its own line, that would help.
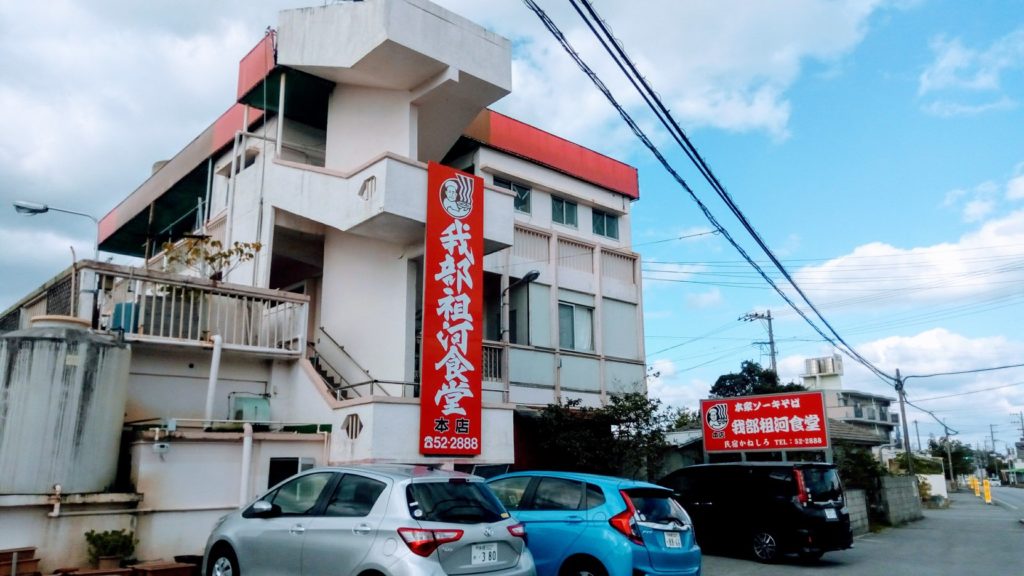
(382, 520)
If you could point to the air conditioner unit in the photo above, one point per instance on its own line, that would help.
(811, 366)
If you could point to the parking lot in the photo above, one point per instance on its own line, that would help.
(969, 537)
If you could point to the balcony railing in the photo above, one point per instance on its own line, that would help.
(158, 307)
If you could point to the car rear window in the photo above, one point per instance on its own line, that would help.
(822, 483)
(457, 502)
(657, 506)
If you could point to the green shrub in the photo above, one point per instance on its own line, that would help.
(110, 543)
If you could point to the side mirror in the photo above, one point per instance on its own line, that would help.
(263, 509)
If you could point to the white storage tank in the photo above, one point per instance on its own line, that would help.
(62, 400)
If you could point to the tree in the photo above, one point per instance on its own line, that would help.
(639, 424)
(686, 418)
(751, 379)
(624, 438)
(961, 454)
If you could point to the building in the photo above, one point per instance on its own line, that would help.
(241, 370)
(864, 416)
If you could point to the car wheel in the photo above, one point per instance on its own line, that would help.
(765, 546)
(582, 568)
(223, 562)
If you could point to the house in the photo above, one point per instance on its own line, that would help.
(864, 416)
(223, 375)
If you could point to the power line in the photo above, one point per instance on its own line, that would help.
(642, 136)
(653, 101)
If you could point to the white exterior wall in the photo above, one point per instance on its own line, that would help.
(365, 122)
(366, 302)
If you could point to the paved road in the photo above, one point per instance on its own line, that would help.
(969, 537)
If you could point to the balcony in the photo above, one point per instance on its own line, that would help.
(148, 306)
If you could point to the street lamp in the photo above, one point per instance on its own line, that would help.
(526, 279)
(32, 208)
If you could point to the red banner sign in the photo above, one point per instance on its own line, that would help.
(452, 347)
(792, 421)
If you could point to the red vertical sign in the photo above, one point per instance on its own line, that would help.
(452, 346)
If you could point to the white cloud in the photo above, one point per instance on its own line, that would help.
(958, 71)
(740, 60)
(708, 299)
(957, 67)
(978, 266)
(977, 210)
(1015, 188)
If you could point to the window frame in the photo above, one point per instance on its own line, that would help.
(522, 202)
(575, 334)
(605, 218)
(556, 200)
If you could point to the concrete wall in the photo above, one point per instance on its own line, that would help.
(857, 504)
(901, 502)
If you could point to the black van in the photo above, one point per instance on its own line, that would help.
(766, 508)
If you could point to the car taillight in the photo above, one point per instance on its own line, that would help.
(517, 530)
(625, 521)
(423, 542)
(801, 488)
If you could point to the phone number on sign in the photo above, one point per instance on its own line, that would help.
(450, 443)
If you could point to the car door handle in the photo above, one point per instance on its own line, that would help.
(574, 518)
(297, 529)
(362, 529)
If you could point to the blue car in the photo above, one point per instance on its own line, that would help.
(590, 525)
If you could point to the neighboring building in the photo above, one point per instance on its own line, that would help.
(864, 415)
(308, 353)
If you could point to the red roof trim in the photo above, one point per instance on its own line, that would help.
(256, 65)
(510, 135)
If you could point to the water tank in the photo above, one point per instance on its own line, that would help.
(62, 400)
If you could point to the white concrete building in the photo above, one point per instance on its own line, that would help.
(869, 413)
(308, 353)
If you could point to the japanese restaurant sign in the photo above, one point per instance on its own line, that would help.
(791, 421)
(452, 348)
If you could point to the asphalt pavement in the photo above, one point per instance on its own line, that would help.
(969, 537)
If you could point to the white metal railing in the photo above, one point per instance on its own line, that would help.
(148, 305)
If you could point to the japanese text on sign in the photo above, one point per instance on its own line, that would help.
(769, 422)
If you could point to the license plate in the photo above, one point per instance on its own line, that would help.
(672, 540)
(830, 514)
(485, 553)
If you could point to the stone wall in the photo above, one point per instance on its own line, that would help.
(857, 505)
(901, 502)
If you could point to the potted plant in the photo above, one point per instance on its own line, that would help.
(108, 548)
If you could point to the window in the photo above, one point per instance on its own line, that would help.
(606, 224)
(510, 491)
(354, 496)
(557, 494)
(563, 211)
(300, 496)
(457, 502)
(522, 200)
(575, 327)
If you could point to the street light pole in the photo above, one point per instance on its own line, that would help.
(526, 279)
(32, 208)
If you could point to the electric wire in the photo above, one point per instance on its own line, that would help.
(642, 136)
(663, 114)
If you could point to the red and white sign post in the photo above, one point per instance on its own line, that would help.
(770, 422)
(452, 347)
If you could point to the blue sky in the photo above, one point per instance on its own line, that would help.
(875, 145)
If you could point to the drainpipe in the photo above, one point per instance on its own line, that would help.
(56, 502)
(211, 386)
(243, 491)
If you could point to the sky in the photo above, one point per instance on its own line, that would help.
(876, 146)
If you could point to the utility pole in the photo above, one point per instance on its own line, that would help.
(903, 416)
(771, 336)
(949, 456)
(918, 432)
